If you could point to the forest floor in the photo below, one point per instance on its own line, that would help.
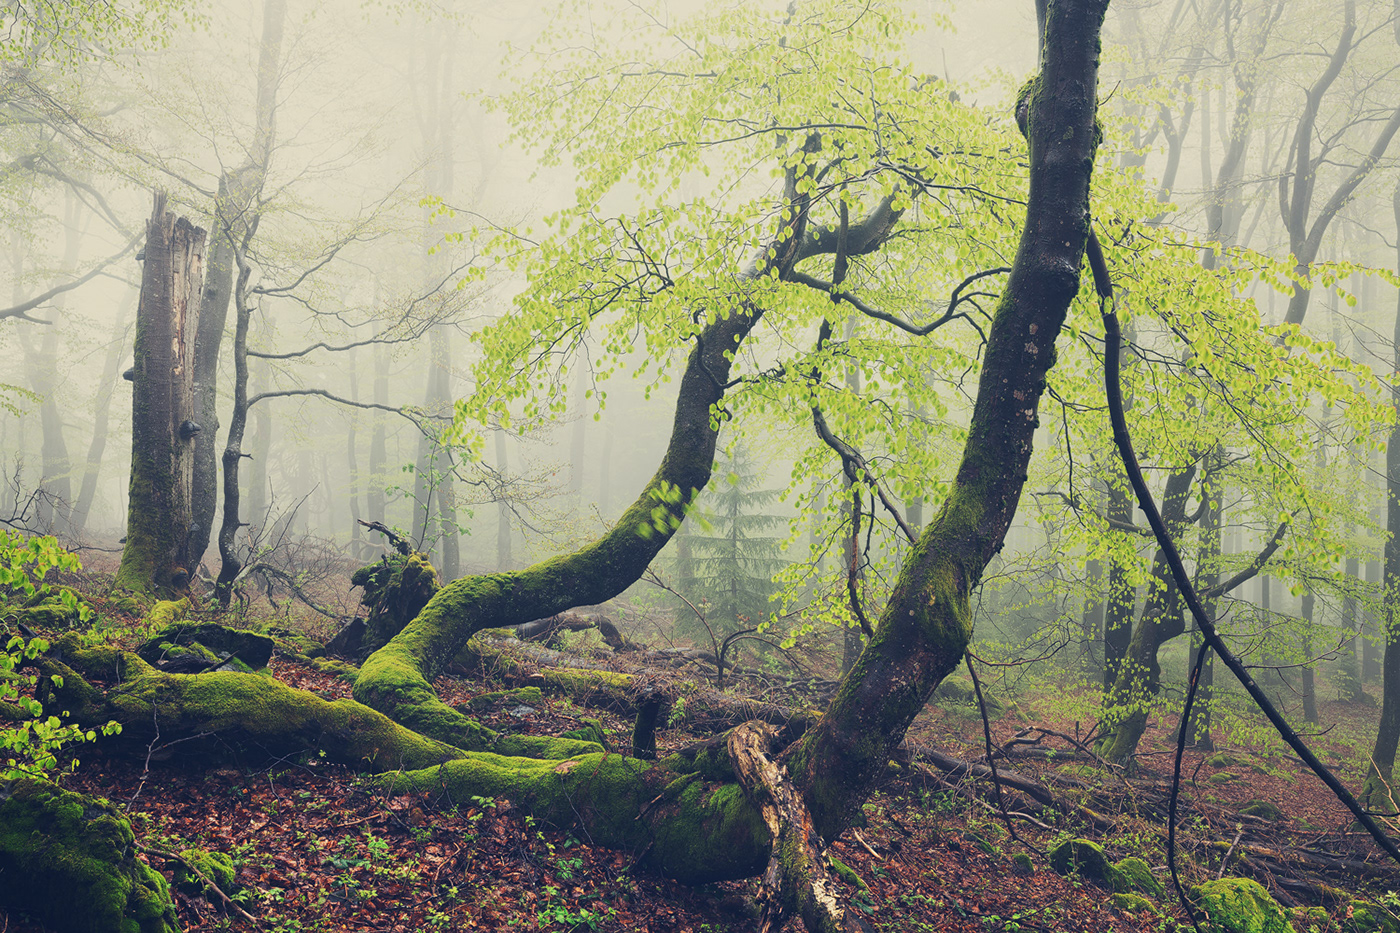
(315, 850)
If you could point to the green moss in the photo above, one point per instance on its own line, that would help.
(846, 873)
(692, 831)
(1239, 905)
(1134, 902)
(1222, 760)
(1370, 917)
(166, 612)
(248, 715)
(1085, 858)
(1223, 777)
(69, 860)
(1135, 875)
(1021, 864)
(216, 866)
(1263, 809)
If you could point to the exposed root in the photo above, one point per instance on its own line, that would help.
(796, 880)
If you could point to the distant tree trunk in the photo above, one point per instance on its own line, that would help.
(232, 220)
(505, 560)
(1375, 631)
(352, 463)
(378, 439)
(156, 557)
(1378, 790)
(1207, 577)
(106, 389)
(578, 448)
(1309, 609)
(1122, 596)
(259, 511)
(605, 475)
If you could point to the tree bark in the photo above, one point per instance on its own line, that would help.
(1378, 792)
(926, 625)
(156, 555)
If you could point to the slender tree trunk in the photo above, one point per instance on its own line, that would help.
(1378, 791)
(505, 560)
(1122, 596)
(378, 441)
(1207, 576)
(155, 558)
(102, 406)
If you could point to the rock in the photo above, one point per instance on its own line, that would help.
(1085, 858)
(1239, 905)
(1021, 864)
(1369, 917)
(1223, 777)
(218, 641)
(69, 860)
(216, 866)
(1134, 902)
(1135, 876)
(523, 712)
(346, 642)
(1262, 809)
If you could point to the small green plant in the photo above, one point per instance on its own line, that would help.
(32, 740)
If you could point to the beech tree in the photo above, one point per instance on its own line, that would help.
(854, 172)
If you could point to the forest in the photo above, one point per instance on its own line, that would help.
(700, 466)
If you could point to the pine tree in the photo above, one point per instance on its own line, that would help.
(733, 562)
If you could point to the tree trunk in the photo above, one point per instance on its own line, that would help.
(1378, 792)
(505, 560)
(238, 189)
(116, 350)
(1207, 576)
(156, 556)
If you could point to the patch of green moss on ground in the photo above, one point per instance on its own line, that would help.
(69, 860)
(1239, 905)
(1369, 917)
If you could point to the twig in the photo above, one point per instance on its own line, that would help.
(991, 761)
(1225, 862)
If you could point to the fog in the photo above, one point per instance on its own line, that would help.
(389, 168)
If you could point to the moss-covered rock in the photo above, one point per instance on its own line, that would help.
(69, 860)
(205, 644)
(216, 866)
(1135, 875)
(1021, 864)
(1223, 777)
(1370, 917)
(1085, 858)
(1126, 900)
(1263, 809)
(1239, 905)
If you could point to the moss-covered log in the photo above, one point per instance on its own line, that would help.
(685, 818)
(69, 861)
(685, 815)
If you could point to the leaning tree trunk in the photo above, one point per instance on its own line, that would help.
(162, 427)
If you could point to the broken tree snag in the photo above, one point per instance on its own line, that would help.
(155, 559)
(796, 880)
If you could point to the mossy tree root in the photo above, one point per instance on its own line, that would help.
(248, 717)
